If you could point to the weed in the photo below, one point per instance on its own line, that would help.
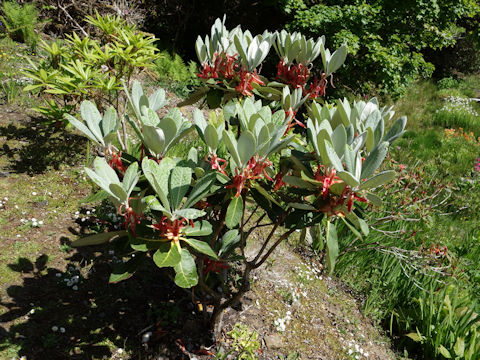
(245, 342)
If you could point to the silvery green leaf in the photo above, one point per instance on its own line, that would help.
(92, 118)
(374, 160)
(105, 171)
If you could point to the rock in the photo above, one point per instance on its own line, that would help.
(273, 341)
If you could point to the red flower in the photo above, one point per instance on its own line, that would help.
(254, 170)
(246, 80)
(132, 219)
(215, 161)
(215, 266)
(171, 230)
(327, 179)
(116, 162)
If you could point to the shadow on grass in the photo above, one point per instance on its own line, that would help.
(77, 314)
(33, 147)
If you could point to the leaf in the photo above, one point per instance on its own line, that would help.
(396, 130)
(352, 228)
(189, 214)
(348, 178)
(374, 160)
(295, 181)
(125, 270)
(246, 147)
(415, 336)
(332, 246)
(92, 117)
(234, 212)
(130, 178)
(153, 203)
(84, 129)
(98, 196)
(179, 183)
(104, 171)
(231, 144)
(201, 246)
(200, 228)
(374, 199)
(118, 191)
(154, 139)
(186, 271)
(377, 180)
(211, 137)
(444, 352)
(109, 121)
(98, 239)
(332, 156)
(200, 189)
(155, 177)
(168, 254)
(337, 59)
(301, 206)
(229, 239)
(459, 347)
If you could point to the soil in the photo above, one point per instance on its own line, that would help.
(56, 302)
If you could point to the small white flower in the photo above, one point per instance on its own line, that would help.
(54, 328)
(40, 222)
(62, 330)
(34, 193)
(34, 220)
(5, 198)
(88, 212)
(75, 287)
(19, 236)
(32, 311)
(16, 206)
(120, 350)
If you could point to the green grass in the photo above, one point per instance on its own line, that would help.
(438, 195)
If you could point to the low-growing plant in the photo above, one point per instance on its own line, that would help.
(191, 213)
(20, 22)
(460, 113)
(244, 342)
(82, 67)
(174, 74)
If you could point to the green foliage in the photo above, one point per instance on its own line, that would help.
(244, 342)
(417, 266)
(385, 40)
(174, 74)
(448, 83)
(20, 22)
(86, 67)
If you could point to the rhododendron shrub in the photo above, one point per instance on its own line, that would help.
(253, 175)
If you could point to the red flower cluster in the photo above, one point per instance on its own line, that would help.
(116, 162)
(295, 75)
(253, 171)
(215, 161)
(224, 66)
(246, 80)
(132, 219)
(171, 230)
(227, 67)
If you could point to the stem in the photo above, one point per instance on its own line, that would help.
(280, 239)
